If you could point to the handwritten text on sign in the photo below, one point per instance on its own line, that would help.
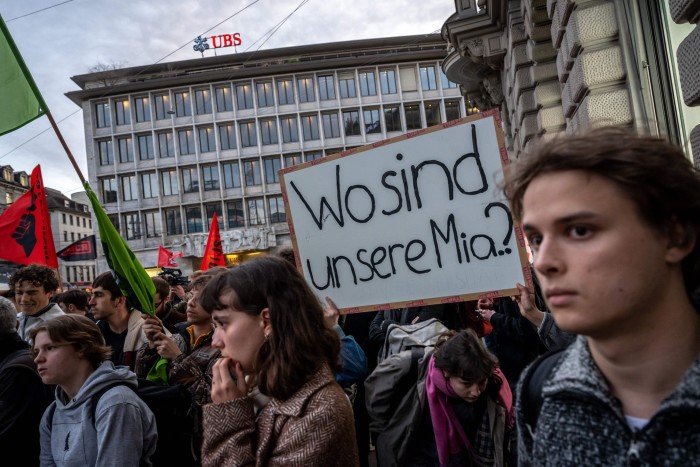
(415, 219)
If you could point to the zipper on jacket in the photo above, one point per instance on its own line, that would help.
(633, 458)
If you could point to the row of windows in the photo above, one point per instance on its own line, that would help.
(168, 182)
(69, 218)
(238, 213)
(74, 236)
(79, 273)
(264, 93)
(285, 128)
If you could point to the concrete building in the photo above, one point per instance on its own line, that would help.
(553, 66)
(169, 145)
(70, 221)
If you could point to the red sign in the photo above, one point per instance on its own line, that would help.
(226, 40)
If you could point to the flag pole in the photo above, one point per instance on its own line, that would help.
(65, 146)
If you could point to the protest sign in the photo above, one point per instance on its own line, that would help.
(413, 220)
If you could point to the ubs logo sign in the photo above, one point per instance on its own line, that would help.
(222, 40)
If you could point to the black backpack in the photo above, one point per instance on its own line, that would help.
(177, 419)
(537, 373)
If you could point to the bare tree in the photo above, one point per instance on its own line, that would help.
(109, 73)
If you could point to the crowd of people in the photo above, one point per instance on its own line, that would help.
(597, 364)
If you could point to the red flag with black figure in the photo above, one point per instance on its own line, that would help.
(214, 253)
(25, 227)
(84, 249)
(166, 258)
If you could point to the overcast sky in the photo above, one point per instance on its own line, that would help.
(75, 35)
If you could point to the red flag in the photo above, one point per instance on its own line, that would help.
(25, 227)
(214, 253)
(166, 258)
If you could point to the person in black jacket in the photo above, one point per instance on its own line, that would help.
(23, 396)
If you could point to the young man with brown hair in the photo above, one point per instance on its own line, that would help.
(613, 219)
(34, 285)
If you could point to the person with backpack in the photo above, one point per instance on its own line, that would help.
(613, 219)
(443, 406)
(97, 419)
(23, 396)
(272, 336)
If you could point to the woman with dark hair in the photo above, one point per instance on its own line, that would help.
(97, 418)
(272, 337)
(460, 412)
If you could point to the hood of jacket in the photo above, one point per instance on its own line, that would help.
(105, 375)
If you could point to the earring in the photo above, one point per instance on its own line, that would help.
(267, 334)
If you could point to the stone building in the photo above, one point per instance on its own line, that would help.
(553, 66)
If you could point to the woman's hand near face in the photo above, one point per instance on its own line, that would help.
(224, 387)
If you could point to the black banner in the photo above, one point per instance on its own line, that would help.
(82, 250)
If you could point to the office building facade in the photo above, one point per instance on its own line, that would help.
(169, 145)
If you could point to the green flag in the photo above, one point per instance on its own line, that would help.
(132, 278)
(20, 100)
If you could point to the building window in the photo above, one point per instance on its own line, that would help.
(268, 131)
(305, 87)
(387, 81)
(427, 78)
(247, 132)
(326, 88)
(193, 216)
(70, 219)
(185, 138)
(224, 100)
(232, 175)
(227, 136)
(166, 146)
(114, 219)
(72, 236)
(126, 150)
(207, 143)
(63, 215)
(234, 209)
(202, 101)
(412, 113)
(312, 156)
(65, 236)
(183, 106)
(265, 94)
(276, 208)
(142, 107)
(432, 113)
(190, 180)
(372, 121)
(149, 184)
(331, 125)
(290, 129)
(256, 211)
(346, 85)
(168, 180)
(84, 226)
(272, 165)
(452, 111)
(285, 91)
(121, 111)
(173, 222)
(392, 118)
(146, 151)
(162, 103)
(210, 177)
(368, 86)
(211, 209)
(251, 169)
(309, 125)
(290, 160)
(102, 115)
(129, 188)
(351, 122)
(133, 226)
(244, 96)
(104, 147)
(446, 83)
(109, 191)
(152, 221)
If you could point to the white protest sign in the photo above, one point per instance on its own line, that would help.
(417, 219)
